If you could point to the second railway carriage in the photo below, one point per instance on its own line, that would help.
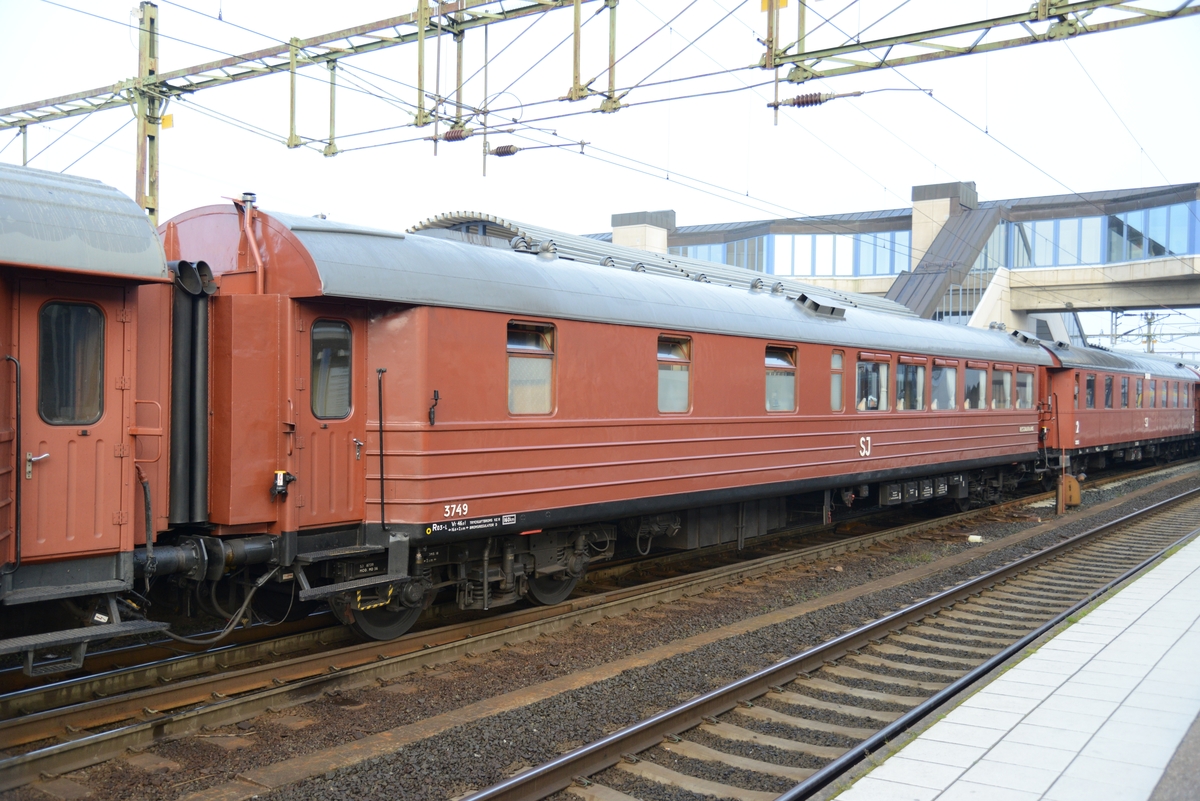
(1104, 406)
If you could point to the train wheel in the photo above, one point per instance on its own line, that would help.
(550, 590)
(963, 504)
(384, 624)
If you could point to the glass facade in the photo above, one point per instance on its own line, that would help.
(884, 253)
(1154, 233)
(1159, 232)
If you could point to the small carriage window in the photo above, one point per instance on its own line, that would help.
(1024, 390)
(1166, 389)
(1108, 395)
(1150, 394)
(872, 395)
(331, 369)
(1002, 389)
(674, 363)
(1139, 393)
(945, 387)
(975, 390)
(1125, 392)
(530, 368)
(1175, 394)
(910, 387)
(70, 363)
(835, 381)
(1077, 390)
(781, 379)
(1091, 391)
(1185, 396)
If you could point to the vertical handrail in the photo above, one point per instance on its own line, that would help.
(16, 564)
(379, 371)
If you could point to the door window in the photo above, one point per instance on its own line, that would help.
(70, 363)
(331, 369)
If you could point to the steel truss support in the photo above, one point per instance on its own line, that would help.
(577, 91)
(151, 91)
(1046, 21)
(149, 113)
(611, 102)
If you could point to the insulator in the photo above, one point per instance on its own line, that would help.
(506, 150)
(811, 99)
(457, 134)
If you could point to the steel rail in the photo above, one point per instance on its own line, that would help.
(542, 781)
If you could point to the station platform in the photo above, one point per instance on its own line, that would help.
(1104, 710)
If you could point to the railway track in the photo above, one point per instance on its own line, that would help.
(115, 671)
(790, 730)
(73, 724)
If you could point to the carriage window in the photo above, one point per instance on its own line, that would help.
(1185, 396)
(945, 387)
(910, 387)
(1139, 393)
(674, 361)
(1166, 388)
(1125, 392)
(872, 393)
(1077, 390)
(781, 380)
(1149, 394)
(1108, 399)
(1024, 390)
(1175, 394)
(1001, 389)
(835, 381)
(331, 369)
(530, 368)
(975, 390)
(70, 363)
(1091, 391)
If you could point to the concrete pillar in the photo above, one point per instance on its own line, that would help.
(933, 205)
(644, 230)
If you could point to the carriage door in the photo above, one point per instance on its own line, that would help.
(332, 418)
(73, 442)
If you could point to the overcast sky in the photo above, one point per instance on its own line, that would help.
(1107, 111)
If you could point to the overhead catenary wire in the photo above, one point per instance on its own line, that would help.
(119, 128)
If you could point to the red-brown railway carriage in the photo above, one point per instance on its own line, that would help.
(536, 410)
(517, 414)
(1122, 407)
(73, 256)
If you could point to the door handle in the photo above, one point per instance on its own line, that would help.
(29, 460)
(358, 443)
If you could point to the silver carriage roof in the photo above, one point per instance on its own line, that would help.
(1101, 359)
(588, 250)
(355, 262)
(74, 224)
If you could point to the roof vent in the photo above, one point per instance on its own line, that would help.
(638, 268)
(822, 306)
(1023, 338)
(777, 289)
(756, 284)
(701, 277)
(519, 243)
(997, 326)
(547, 250)
(608, 261)
(1062, 345)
